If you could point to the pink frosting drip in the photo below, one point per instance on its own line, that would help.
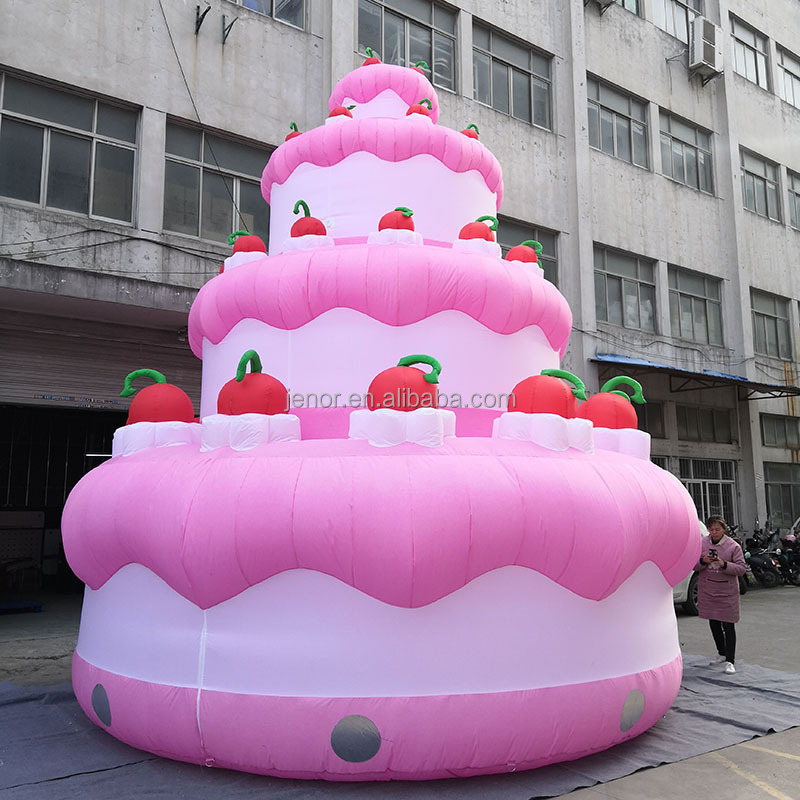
(403, 526)
(366, 83)
(395, 284)
(389, 140)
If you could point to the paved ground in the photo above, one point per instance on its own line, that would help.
(35, 649)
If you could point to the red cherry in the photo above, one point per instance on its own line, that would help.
(249, 244)
(399, 219)
(471, 131)
(341, 111)
(546, 394)
(404, 387)
(252, 392)
(306, 225)
(477, 230)
(160, 402)
(529, 252)
(294, 132)
(372, 58)
(613, 409)
(420, 108)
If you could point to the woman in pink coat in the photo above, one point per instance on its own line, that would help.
(721, 563)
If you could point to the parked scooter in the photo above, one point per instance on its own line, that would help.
(788, 555)
(761, 558)
(747, 578)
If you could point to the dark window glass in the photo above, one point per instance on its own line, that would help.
(113, 182)
(217, 204)
(20, 160)
(182, 198)
(290, 11)
(48, 104)
(68, 172)
(118, 123)
(254, 212)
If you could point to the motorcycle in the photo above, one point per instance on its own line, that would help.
(760, 557)
(789, 555)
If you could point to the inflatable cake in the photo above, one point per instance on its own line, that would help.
(394, 545)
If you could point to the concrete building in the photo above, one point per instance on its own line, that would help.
(667, 198)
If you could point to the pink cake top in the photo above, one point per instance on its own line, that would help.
(394, 284)
(366, 83)
(404, 526)
(388, 139)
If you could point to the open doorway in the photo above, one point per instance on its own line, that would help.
(44, 452)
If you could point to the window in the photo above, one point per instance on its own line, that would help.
(405, 32)
(789, 82)
(771, 336)
(211, 185)
(697, 424)
(794, 200)
(675, 17)
(779, 431)
(630, 5)
(291, 11)
(617, 123)
(760, 186)
(695, 307)
(511, 233)
(511, 77)
(624, 289)
(750, 54)
(651, 420)
(782, 482)
(712, 485)
(660, 461)
(66, 151)
(686, 154)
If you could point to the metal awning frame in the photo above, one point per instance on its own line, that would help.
(682, 380)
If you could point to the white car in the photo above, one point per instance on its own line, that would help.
(685, 594)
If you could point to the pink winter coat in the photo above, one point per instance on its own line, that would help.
(718, 589)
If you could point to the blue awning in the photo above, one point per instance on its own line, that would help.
(687, 380)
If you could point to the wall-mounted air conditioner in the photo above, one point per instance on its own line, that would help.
(605, 3)
(705, 48)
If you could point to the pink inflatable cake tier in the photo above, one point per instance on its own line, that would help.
(371, 591)
(351, 171)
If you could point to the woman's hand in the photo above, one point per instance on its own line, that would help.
(707, 559)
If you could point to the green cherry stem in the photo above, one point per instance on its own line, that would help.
(622, 380)
(302, 204)
(534, 244)
(578, 389)
(407, 212)
(493, 221)
(235, 235)
(128, 390)
(250, 357)
(436, 367)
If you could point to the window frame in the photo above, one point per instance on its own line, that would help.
(787, 489)
(789, 88)
(605, 274)
(636, 10)
(674, 271)
(548, 261)
(784, 346)
(793, 191)
(785, 423)
(204, 168)
(434, 31)
(749, 175)
(677, 16)
(533, 76)
(272, 15)
(92, 136)
(595, 88)
(671, 137)
(741, 49)
(698, 411)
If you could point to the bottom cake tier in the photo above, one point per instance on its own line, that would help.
(376, 738)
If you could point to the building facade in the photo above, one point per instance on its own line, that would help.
(651, 146)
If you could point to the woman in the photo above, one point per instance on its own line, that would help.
(721, 563)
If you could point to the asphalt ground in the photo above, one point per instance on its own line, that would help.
(36, 649)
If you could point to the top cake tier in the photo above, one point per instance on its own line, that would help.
(377, 157)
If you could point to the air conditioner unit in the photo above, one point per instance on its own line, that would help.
(705, 48)
(606, 3)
